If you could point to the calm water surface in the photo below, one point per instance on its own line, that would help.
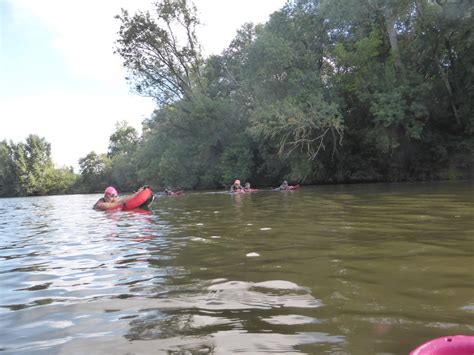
(355, 269)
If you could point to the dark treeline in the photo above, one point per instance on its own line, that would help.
(327, 91)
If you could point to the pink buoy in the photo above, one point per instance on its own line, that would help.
(448, 345)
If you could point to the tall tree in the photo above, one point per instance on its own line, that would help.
(294, 112)
(32, 160)
(161, 51)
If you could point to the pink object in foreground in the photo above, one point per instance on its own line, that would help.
(448, 345)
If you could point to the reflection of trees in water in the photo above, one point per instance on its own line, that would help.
(221, 308)
(179, 332)
(158, 324)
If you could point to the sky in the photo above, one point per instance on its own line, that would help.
(60, 79)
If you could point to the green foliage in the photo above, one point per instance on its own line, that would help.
(27, 169)
(236, 162)
(177, 169)
(269, 60)
(60, 181)
(7, 167)
(123, 141)
(161, 52)
(96, 172)
(303, 126)
(188, 141)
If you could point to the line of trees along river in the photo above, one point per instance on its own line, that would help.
(324, 92)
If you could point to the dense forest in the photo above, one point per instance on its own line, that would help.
(327, 91)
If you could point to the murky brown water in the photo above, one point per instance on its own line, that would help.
(354, 269)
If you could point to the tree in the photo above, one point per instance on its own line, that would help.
(27, 169)
(162, 53)
(31, 160)
(95, 171)
(189, 144)
(294, 112)
(7, 175)
(123, 141)
(60, 181)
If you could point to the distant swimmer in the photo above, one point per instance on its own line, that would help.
(284, 185)
(247, 188)
(236, 187)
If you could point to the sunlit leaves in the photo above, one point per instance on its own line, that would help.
(161, 51)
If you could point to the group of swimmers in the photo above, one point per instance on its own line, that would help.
(111, 200)
(236, 187)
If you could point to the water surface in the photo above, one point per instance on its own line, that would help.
(352, 269)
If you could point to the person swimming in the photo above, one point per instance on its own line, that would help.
(108, 201)
(284, 185)
(236, 187)
(111, 200)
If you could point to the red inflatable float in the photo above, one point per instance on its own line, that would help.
(141, 200)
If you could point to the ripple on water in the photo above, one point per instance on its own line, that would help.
(220, 342)
(291, 319)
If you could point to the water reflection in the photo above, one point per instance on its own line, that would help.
(225, 309)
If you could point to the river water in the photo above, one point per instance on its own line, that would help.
(349, 269)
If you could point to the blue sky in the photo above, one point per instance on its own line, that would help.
(60, 79)
(19, 43)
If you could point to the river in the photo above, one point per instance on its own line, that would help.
(347, 269)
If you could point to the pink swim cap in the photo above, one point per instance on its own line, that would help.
(237, 182)
(111, 191)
